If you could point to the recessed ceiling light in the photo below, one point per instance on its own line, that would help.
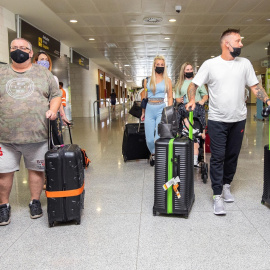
(73, 21)
(126, 65)
(268, 19)
(242, 37)
(91, 39)
(172, 20)
(197, 66)
(166, 38)
(212, 56)
(266, 48)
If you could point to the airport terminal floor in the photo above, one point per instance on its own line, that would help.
(118, 229)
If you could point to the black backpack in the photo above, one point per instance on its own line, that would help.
(168, 126)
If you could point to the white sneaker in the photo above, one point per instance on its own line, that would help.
(226, 193)
(219, 208)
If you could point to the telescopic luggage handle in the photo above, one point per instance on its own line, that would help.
(50, 137)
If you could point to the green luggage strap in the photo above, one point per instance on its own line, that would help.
(170, 176)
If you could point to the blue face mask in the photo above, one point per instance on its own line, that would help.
(44, 63)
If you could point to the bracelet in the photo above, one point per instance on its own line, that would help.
(267, 101)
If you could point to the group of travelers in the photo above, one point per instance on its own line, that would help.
(30, 95)
(226, 77)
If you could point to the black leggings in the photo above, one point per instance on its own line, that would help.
(225, 145)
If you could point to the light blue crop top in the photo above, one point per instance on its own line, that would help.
(160, 90)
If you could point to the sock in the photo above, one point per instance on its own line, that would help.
(195, 159)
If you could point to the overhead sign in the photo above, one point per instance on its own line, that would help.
(40, 39)
(80, 60)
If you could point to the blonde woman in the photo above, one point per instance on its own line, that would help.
(185, 78)
(156, 86)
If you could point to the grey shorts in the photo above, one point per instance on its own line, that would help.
(33, 154)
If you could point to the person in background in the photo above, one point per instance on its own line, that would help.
(64, 96)
(43, 59)
(185, 78)
(113, 100)
(156, 87)
(226, 76)
(29, 95)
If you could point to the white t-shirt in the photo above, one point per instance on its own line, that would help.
(226, 82)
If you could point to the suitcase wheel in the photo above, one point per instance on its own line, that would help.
(186, 216)
(204, 171)
(125, 158)
(154, 212)
(51, 224)
(205, 176)
(78, 221)
(262, 202)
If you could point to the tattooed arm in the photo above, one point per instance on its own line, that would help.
(260, 93)
(191, 96)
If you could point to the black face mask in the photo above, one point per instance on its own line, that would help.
(189, 75)
(159, 70)
(236, 51)
(19, 56)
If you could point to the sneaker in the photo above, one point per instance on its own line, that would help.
(4, 214)
(219, 208)
(226, 193)
(35, 209)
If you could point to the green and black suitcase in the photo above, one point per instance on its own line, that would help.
(174, 157)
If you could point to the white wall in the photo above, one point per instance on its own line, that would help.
(83, 88)
(7, 21)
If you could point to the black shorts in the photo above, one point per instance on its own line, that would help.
(113, 102)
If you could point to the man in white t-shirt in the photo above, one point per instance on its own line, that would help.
(226, 77)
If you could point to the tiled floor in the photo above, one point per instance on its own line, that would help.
(118, 230)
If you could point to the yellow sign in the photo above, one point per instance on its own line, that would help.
(40, 42)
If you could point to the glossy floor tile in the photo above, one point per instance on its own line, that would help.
(118, 230)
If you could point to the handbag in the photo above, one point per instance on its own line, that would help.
(136, 109)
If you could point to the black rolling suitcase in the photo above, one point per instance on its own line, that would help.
(266, 175)
(174, 158)
(134, 143)
(65, 183)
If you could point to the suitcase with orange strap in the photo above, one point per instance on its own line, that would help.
(65, 183)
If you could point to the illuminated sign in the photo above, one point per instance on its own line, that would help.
(80, 60)
(40, 39)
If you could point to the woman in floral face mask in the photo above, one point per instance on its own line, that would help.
(43, 59)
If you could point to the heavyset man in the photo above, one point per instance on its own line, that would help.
(226, 77)
(28, 95)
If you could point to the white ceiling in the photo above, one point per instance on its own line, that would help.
(194, 37)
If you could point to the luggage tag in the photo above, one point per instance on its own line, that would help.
(173, 182)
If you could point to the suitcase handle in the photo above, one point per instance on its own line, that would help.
(176, 160)
(50, 137)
